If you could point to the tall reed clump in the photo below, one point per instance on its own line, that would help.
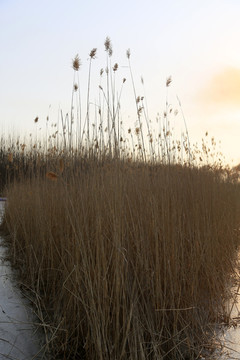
(127, 261)
(126, 244)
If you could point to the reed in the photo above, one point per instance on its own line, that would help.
(127, 255)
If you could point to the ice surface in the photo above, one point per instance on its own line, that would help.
(20, 338)
(230, 338)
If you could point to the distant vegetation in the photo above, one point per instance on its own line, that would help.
(127, 244)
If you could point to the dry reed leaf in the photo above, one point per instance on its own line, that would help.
(51, 176)
(61, 165)
(10, 157)
(237, 168)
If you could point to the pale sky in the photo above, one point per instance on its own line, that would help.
(196, 42)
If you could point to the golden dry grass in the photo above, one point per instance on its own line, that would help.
(126, 245)
(128, 261)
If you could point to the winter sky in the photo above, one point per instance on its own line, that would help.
(195, 42)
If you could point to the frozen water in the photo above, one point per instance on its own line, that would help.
(20, 338)
(230, 338)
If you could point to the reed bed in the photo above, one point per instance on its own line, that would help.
(127, 261)
(126, 248)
